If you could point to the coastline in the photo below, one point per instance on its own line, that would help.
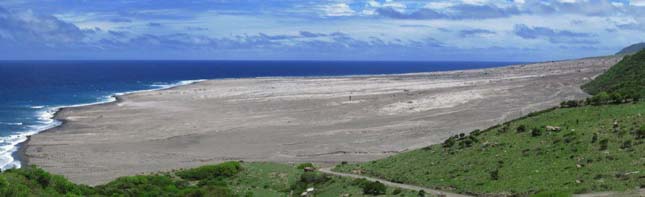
(20, 154)
(293, 112)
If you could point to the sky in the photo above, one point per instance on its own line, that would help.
(407, 30)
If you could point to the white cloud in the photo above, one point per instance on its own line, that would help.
(637, 2)
(339, 9)
(439, 5)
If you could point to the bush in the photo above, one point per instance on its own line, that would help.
(494, 175)
(640, 133)
(305, 165)
(226, 169)
(397, 191)
(313, 178)
(600, 98)
(536, 132)
(604, 144)
(360, 182)
(374, 188)
(626, 145)
(521, 129)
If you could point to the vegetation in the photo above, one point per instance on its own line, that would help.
(226, 179)
(624, 81)
(552, 153)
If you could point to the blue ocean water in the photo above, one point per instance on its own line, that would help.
(32, 91)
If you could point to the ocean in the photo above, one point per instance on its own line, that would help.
(32, 91)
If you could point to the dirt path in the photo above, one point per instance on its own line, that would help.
(388, 183)
(639, 193)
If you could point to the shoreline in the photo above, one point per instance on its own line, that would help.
(323, 150)
(20, 154)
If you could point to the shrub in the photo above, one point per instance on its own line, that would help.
(422, 193)
(374, 188)
(360, 182)
(154, 185)
(494, 175)
(604, 144)
(305, 165)
(226, 169)
(397, 191)
(536, 132)
(627, 144)
(449, 142)
(313, 178)
(521, 129)
(600, 98)
(640, 133)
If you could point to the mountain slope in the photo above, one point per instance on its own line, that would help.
(627, 78)
(567, 150)
(632, 49)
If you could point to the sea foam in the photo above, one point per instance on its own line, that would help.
(45, 115)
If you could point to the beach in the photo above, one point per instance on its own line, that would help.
(296, 119)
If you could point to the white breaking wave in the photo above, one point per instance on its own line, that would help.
(9, 144)
(12, 123)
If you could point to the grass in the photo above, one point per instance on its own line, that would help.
(271, 179)
(226, 179)
(626, 78)
(589, 154)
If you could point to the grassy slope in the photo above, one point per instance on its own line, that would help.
(258, 179)
(565, 161)
(627, 77)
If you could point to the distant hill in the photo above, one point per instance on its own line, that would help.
(627, 78)
(632, 49)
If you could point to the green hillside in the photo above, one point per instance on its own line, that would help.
(566, 150)
(631, 49)
(626, 78)
(222, 180)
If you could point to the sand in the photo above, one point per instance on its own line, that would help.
(292, 120)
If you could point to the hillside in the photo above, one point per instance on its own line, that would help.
(626, 78)
(566, 150)
(632, 49)
(226, 179)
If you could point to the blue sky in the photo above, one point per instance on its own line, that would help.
(465, 30)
